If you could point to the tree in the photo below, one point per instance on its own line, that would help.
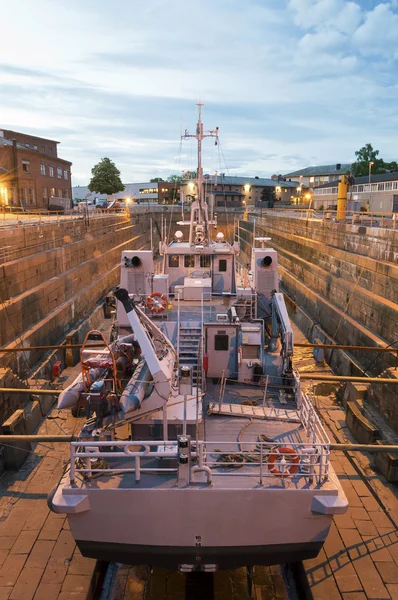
(105, 178)
(156, 180)
(364, 156)
(174, 179)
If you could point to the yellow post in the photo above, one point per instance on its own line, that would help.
(342, 198)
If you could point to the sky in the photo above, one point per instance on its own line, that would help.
(289, 83)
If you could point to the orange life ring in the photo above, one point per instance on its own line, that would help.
(156, 302)
(275, 457)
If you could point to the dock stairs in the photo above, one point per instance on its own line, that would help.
(190, 336)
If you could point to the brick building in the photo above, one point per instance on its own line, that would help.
(31, 173)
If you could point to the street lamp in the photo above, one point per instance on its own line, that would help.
(371, 163)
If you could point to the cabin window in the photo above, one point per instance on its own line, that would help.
(189, 261)
(205, 261)
(221, 342)
(250, 352)
(174, 261)
(222, 265)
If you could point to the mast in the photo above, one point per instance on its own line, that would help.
(199, 210)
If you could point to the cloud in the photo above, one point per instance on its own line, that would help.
(378, 35)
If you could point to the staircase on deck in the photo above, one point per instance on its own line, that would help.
(190, 335)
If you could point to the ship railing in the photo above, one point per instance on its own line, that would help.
(260, 460)
(84, 455)
(267, 459)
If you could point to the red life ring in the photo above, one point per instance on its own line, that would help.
(156, 302)
(275, 458)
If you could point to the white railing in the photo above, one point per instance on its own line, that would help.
(280, 459)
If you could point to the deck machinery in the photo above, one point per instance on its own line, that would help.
(206, 453)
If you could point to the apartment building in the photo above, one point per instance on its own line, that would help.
(32, 175)
(312, 177)
(379, 193)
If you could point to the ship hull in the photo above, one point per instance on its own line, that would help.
(228, 528)
(222, 557)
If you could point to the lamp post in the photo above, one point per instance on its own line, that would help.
(371, 163)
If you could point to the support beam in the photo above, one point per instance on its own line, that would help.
(5, 439)
(38, 391)
(364, 447)
(343, 378)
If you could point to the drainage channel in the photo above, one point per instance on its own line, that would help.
(122, 582)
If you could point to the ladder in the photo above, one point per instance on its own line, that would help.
(190, 348)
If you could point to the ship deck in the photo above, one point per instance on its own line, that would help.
(232, 437)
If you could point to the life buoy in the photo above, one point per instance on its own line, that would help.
(156, 302)
(275, 458)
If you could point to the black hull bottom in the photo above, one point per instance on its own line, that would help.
(225, 558)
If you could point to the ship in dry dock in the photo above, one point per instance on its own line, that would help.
(200, 450)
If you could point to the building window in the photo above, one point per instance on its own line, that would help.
(35, 147)
(388, 185)
(65, 174)
(27, 145)
(45, 193)
(360, 188)
(52, 191)
(25, 166)
(174, 261)
(205, 261)
(59, 193)
(42, 169)
(395, 185)
(221, 342)
(326, 179)
(222, 265)
(373, 187)
(59, 173)
(189, 261)
(51, 171)
(380, 187)
(311, 180)
(31, 193)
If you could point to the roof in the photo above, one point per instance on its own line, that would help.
(253, 181)
(31, 135)
(9, 144)
(364, 179)
(320, 170)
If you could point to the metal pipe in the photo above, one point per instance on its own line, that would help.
(343, 347)
(59, 347)
(30, 391)
(364, 447)
(336, 378)
(37, 438)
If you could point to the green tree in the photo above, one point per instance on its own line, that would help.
(392, 166)
(364, 156)
(155, 180)
(105, 178)
(174, 179)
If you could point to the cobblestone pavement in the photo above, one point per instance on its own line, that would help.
(359, 559)
(38, 556)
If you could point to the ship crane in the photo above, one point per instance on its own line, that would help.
(281, 327)
(159, 360)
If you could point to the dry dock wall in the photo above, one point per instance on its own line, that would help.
(46, 291)
(345, 279)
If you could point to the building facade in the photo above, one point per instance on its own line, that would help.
(33, 176)
(238, 192)
(379, 193)
(312, 177)
(162, 192)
